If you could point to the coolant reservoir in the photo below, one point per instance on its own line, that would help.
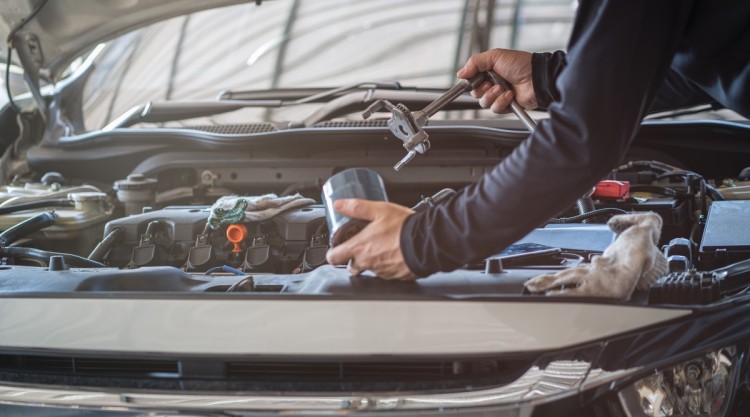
(78, 226)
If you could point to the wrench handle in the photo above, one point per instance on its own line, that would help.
(514, 106)
(523, 116)
(461, 87)
(446, 98)
(467, 85)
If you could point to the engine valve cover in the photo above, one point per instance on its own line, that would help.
(177, 236)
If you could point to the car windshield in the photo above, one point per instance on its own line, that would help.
(304, 43)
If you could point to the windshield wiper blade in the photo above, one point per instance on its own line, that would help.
(345, 102)
(165, 111)
(307, 95)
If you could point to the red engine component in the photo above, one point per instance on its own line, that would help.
(612, 189)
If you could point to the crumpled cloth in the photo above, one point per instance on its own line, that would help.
(244, 209)
(632, 261)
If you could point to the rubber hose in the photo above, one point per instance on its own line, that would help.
(585, 204)
(106, 244)
(42, 255)
(58, 202)
(742, 267)
(736, 276)
(588, 215)
(27, 227)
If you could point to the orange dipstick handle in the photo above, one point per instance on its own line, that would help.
(237, 233)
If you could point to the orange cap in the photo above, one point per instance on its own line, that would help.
(237, 233)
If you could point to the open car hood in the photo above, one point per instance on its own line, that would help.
(63, 30)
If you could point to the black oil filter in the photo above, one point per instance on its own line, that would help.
(359, 183)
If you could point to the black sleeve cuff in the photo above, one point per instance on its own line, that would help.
(545, 67)
(409, 239)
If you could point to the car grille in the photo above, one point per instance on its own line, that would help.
(217, 374)
(88, 366)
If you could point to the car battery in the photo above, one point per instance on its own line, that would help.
(675, 213)
(726, 236)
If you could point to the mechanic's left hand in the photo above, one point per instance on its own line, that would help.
(377, 247)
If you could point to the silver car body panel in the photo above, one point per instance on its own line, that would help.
(312, 327)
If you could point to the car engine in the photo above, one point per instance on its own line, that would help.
(146, 233)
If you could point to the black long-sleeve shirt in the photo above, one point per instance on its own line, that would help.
(621, 56)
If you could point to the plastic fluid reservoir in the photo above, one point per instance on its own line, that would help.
(359, 183)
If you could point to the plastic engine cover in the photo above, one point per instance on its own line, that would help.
(177, 236)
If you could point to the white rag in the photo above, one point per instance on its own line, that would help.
(236, 209)
(632, 261)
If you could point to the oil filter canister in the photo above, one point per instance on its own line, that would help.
(359, 183)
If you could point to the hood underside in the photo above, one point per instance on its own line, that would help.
(63, 30)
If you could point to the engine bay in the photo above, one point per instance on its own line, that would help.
(93, 217)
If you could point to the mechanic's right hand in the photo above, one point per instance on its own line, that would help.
(514, 66)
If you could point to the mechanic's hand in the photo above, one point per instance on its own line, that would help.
(514, 66)
(376, 247)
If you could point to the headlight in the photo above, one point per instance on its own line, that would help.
(698, 387)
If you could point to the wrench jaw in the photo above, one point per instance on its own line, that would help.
(418, 143)
(404, 126)
(402, 123)
(376, 107)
